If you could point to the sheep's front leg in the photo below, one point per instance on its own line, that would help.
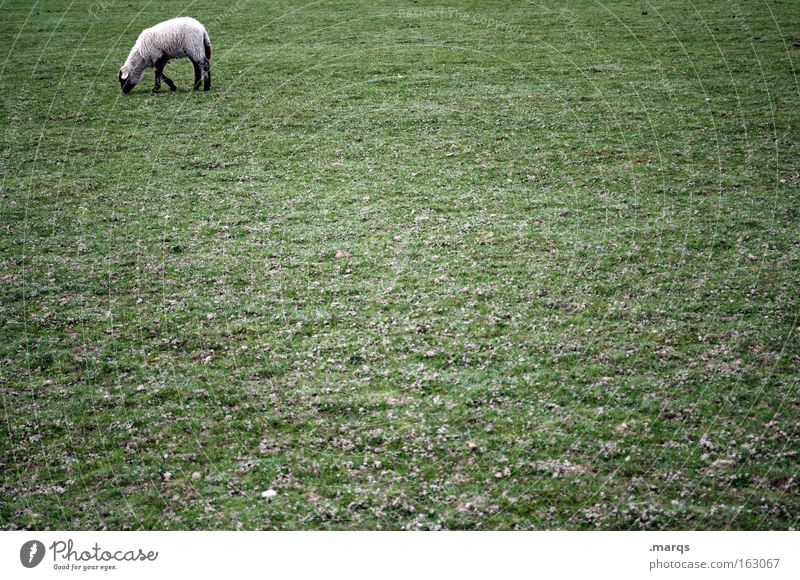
(169, 82)
(160, 64)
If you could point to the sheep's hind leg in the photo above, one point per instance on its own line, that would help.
(206, 66)
(197, 74)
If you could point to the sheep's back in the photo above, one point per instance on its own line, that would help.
(175, 38)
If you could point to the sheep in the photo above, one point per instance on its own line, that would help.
(156, 46)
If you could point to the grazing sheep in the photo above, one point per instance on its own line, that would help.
(156, 46)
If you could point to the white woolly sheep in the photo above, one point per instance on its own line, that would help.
(156, 46)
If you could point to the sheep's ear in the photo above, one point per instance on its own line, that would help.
(123, 73)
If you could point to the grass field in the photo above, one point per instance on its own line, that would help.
(461, 265)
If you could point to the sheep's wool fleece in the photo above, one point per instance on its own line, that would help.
(176, 38)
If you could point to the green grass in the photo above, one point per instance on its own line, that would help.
(463, 265)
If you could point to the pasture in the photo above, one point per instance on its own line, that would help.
(409, 265)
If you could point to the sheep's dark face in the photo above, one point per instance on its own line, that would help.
(125, 81)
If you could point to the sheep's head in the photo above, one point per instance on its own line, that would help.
(126, 80)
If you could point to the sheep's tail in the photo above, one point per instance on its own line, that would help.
(207, 45)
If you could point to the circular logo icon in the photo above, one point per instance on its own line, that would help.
(31, 553)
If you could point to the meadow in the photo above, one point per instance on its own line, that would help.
(408, 265)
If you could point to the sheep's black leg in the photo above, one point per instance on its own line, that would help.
(169, 82)
(206, 66)
(160, 64)
(197, 74)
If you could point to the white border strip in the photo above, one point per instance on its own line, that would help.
(371, 555)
